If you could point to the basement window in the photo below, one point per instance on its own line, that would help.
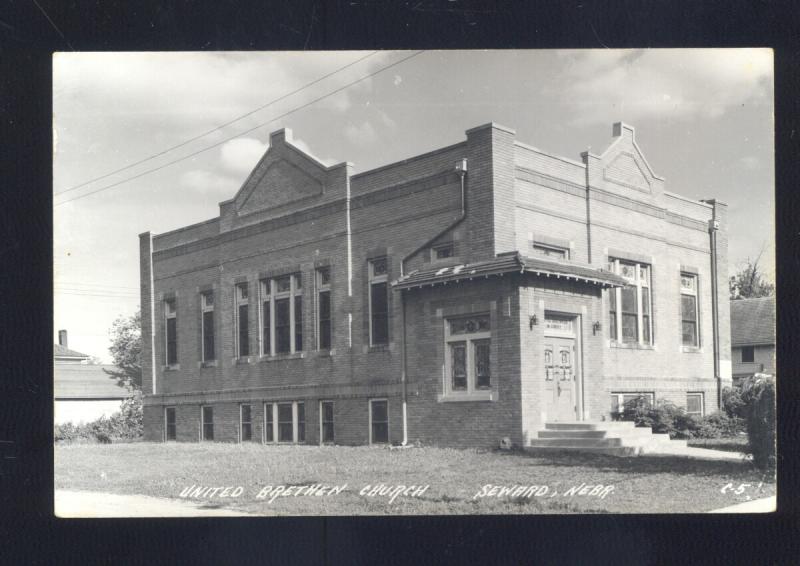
(624, 405)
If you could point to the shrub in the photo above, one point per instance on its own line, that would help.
(666, 418)
(758, 393)
(126, 424)
(732, 403)
(718, 425)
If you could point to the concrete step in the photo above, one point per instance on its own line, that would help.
(611, 451)
(638, 432)
(589, 425)
(576, 442)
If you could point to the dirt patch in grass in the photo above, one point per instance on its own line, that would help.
(459, 481)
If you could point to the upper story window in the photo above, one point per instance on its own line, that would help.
(378, 302)
(443, 251)
(171, 320)
(549, 251)
(689, 334)
(242, 300)
(324, 308)
(630, 319)
(282, 315)
(207, 326)
(748, 354)
(468, 357)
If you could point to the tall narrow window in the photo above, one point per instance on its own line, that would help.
(170, 311)
(242, 321)
(282, 315)
(285, 423)
(689, 334)
(266, 318)
(269, 423)
(207, 323)
(208, 423)
(246, 423)
(378, 302)
(469, 361)
(379, 421)
(324, 308)
(301, 422)
(629, 306)
(326, 422)
(170, 432)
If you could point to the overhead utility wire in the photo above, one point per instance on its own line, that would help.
(340, 89)
(221, 126)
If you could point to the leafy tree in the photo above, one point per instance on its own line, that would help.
(750, 283)
(126, 351)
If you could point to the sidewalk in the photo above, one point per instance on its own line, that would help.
(765, 505)
(86, 504)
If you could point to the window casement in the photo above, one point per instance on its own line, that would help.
(285, 422)
(630, 308)
(443, 251)
(245, 423)
(207, 326)
(748, 354)
(207, 422)
(378, 302)
(468, 357)
(548, 250)
(324, 308)
(689, 334)
(326, 430)
(171, 344)
(378, 421)
(695, 404)
(170, 424)
(281, 315)
(242, 322)
(623, 405)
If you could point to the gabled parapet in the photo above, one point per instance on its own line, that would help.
(622, 168)
(285, 179)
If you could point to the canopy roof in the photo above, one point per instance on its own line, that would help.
(509, 263)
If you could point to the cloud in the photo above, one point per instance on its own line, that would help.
(304, 147)
(205, 182)
(700, 83)
(241, 155)
(361, 135)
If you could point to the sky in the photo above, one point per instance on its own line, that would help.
(703, 117)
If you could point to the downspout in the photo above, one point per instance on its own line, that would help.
(713, 226)
(461, 169)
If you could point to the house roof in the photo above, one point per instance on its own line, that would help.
(60, 351)
(81, 381)
(753, 321)
(509, 263)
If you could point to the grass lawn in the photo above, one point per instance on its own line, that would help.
(735, 444)
(640, 485)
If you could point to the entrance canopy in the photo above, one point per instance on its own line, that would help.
(512, 262)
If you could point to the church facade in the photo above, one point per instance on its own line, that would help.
(457, 298)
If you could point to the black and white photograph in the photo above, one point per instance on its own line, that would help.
(426, 282)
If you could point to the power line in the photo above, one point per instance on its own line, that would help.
(147, 172)
(221, 126)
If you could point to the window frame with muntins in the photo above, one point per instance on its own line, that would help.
(690, 291)
(696, 395)
(324, 308)
(327, 428)
(171, 332)
(242, 320)
(640, 310)
(468, 357)
(207, 335)
(378, 292)
(279, 336)
(381, 424)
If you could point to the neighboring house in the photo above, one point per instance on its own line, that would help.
(458, 297)
(753, 336)
(82, 392)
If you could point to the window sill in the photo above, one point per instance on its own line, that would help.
(207, 364)
(279, 357)
(325, 353)
(242, 361)
(173, 367)
(630, 346)
(378, 348)
(691, 350)
(467, 397)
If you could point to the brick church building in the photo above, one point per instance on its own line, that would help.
(458, 297)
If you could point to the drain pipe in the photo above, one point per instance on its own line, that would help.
(461, 169)
(713, 227)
